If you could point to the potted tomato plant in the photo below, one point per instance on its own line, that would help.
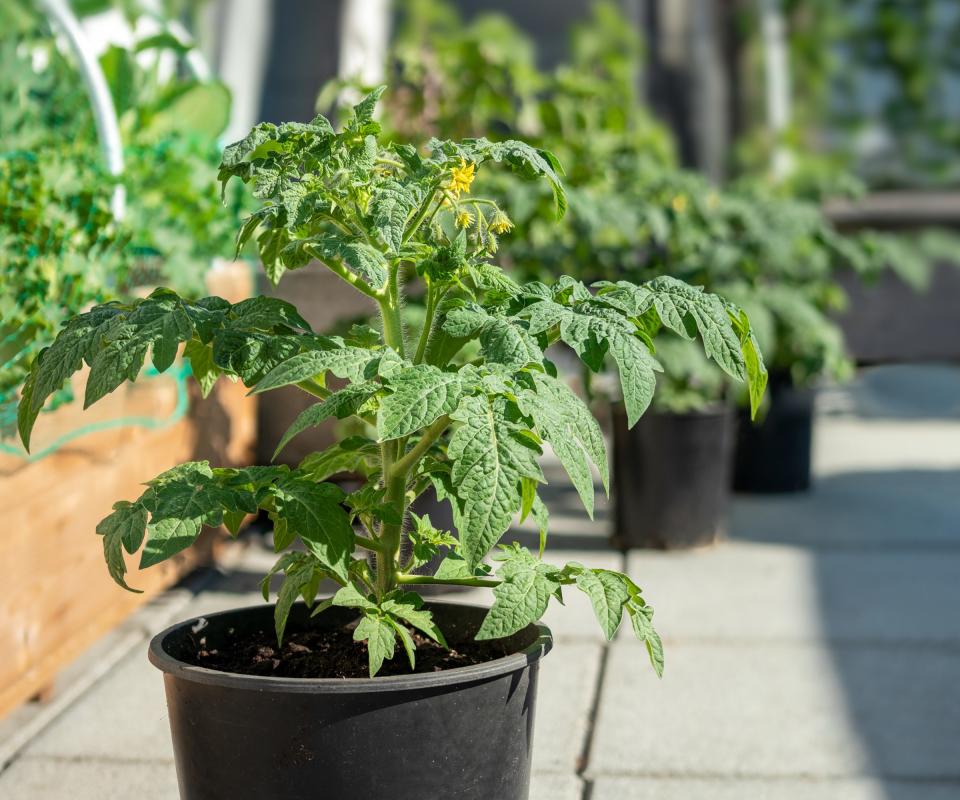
(365, 691)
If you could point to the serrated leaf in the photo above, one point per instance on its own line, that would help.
(391, 204)
(337, 459)
(380, 637)
(299, 575)
(122, 530)
(676, 302)
(349, 597)
(565, 421)
(608, 594)
(344, 362)
(339, 405)
(204, 370)
(521, 598)
(406, 640)
(421, 394)
(490, 459)
(313, 512)
(641, 619)
(408, 607)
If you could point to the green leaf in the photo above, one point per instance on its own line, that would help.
(676, 302)
(122, 530)
(521, 598)
(340, 404)
(565, 421)
(641, 618)
(421, 394)
(201, 365)
(427, 540)
(526, 161)
(608, 594)
(392, 203)
(490, 458)
(408, 607)
(756, 370)
(406, 640)
(340, 458)
(358, 256)
(181, 502)
(349, 597)
(313, 512)
(344, 362)
(455, 567)
(301, 575)
(380, 636)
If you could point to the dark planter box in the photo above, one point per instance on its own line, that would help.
(889, 321)
(773, 453)
(671, 478)
(464, 733)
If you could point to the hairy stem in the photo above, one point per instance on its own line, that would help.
(427, 324)
(358, 283)
(403, 466)
(421, 215)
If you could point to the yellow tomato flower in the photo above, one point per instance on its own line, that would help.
(679, 203)
(501, 223)
(461, 177)
(464, 219)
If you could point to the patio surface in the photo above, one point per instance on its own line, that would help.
(813, 655)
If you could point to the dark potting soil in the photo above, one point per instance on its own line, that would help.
(332, 653)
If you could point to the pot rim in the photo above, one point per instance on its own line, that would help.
(170, 665)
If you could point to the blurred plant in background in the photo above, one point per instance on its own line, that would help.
(873, 88)
(61, 249)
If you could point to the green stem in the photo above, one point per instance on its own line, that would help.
(427, 325)
(369, 544)
(401, 467)
(356, 282)
(430, 581)
(421, 214)
(310, 386)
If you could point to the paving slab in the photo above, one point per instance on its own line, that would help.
(700, 789)
(780, 710)
(849, 444)
(56, 779)
(894, 509)
(771, 591)
(555, 787)
(124, 714)
(565, 698)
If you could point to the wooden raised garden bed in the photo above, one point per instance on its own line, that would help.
(57, 597)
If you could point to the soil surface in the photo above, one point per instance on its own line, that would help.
(332, 653)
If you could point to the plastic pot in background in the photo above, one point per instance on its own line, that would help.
(773, 453)
(464, 733)
(671, 477)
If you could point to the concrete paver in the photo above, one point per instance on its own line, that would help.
(763, 789)
(813, 656)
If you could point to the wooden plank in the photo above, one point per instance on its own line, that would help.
(58, 597)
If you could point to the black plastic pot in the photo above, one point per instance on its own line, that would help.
(671, 478)
(773, 454)
(464, 733)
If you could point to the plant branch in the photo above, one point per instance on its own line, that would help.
(427, 324)
(355, 281)
(310, 386)
(369, 544)
(430, 435)
(421, 214)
